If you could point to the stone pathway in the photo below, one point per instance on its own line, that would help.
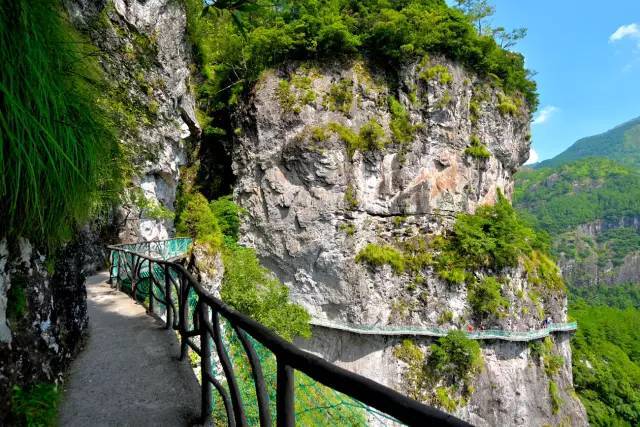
(128, 374)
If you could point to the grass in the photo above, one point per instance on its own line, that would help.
(378, 255)
(57, 146)
(36, 406)
(477, 149)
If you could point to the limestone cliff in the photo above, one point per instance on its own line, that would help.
(331, 157)
(142, 48)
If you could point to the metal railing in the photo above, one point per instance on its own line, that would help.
(198, 318)
(425, 331)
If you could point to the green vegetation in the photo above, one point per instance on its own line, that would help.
(508, 105)
(35, 406)
(351, 198)
(438, 72)
(577, 193)
(621, 144)
(495, 237)
(444, 376)
(606, 358)
(340, 96)
(485, 298)
(477, 149)
(556, 401)
(246, 285)
(235, 46)
(57, 143)
(492, 239)
(377, 255)
(402, 130)
(16, 299)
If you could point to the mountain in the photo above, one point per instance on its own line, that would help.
(621, 143)
(588, 200)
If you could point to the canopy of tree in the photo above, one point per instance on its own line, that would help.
(236, 41)
(558, 199)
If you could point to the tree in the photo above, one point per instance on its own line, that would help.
(508, 39)
(477, 11)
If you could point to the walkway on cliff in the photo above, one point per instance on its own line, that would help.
(128, 373)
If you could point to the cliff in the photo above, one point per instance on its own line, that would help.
(331, 158)
(143, 50)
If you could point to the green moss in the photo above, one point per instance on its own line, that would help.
(36, 406)
(508, 105)
(153, 107)
(370, 137)
(438, 72)
(477, 149)
(554, 395)
(351, 198)
(286, 97)
(16, 299)
(552, 361)
(445, 317)
(485, 298)
(474, 111)
(444, 101)
(340, 96)
(402, 130)
(378, 255)
(347, 228)
(443, 398)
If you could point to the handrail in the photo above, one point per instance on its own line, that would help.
(289, 358)
(499, 334)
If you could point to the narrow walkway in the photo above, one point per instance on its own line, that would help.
(128, 374)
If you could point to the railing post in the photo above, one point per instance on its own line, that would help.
(205, 364)
(167, 297)
(285, 403)
(119, 270)
(182, 321)
(151, 284)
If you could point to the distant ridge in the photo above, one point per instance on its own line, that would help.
(622, 144)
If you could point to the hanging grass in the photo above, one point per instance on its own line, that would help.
(58, 149)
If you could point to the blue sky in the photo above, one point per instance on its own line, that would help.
(587, 56)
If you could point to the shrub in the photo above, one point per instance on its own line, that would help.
(252, 289)
(556, 401)
(199, 221)
(340, 96)
(439, 72)
(455, 357)
(477, 149)
(227, 214)
(371, 136)
(377, 255)
(401, 128)
(485, 298)
(351, 198)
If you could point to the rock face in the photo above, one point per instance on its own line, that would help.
(325, 165)
(43, 315)
(143, 49)
(594, 263)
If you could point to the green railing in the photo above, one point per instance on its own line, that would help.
(487, 334)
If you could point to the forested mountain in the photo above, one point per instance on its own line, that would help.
(588, 200)
(621, 143)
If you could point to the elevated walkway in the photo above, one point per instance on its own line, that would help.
(128, 374)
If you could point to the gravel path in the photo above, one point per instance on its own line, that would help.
(128, 374)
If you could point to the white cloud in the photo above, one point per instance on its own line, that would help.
(545, 114)
(631, 30)
(533, 157)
